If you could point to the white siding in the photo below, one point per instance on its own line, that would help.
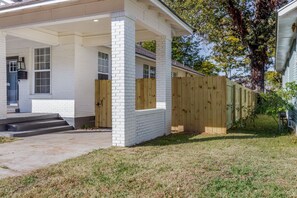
(3, 107)
(86, 72)
(292, 67)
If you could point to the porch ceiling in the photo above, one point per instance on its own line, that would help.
(85, 28)
(94, 32)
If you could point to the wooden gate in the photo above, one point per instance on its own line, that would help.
(103, 103)
(145, 99)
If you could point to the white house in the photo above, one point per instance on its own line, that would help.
(286, 56)
(67, 44)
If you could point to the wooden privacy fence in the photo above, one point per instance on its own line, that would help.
(199, 104)
(242, 102)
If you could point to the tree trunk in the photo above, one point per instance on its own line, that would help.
(257, 71)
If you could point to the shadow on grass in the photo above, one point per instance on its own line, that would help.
(264, 127)
(186, 138)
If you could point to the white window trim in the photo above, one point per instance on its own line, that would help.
(9, 67)
(149, 70)
(109, 63)
(46, 70)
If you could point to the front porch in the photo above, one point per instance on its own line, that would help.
(61, 54)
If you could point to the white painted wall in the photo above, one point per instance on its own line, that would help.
(86, 72)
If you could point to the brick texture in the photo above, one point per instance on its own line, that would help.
(149, 124)
(164, 62)
(123, 81)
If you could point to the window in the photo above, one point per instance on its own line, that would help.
(42, 67)
(13, 66)
(152, 72)
(103, 66)
(149, 71)
(146, 71)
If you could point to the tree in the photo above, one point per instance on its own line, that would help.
(243, 29)
(186, 50)
(206, 67)
(273, 80)
(279, 101)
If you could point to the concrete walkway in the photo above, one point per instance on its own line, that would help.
(31, 153)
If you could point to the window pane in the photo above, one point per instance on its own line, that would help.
(146, 71)
(103, 63)
(42, 82)
(152, 72)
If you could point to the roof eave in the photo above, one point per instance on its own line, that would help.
(184, 25)
(27, 5)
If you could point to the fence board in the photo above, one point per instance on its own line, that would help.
(199, 104)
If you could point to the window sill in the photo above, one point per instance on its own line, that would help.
(41, 96)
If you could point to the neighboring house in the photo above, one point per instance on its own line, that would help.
(146, 65)
(286, 56)
(63, 46)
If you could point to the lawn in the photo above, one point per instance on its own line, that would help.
(251, 162)
(5, 140)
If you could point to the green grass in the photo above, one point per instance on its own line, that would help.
(250, 162)
(5, 140)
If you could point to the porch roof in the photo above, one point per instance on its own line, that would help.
(287, 16)
(178, 24)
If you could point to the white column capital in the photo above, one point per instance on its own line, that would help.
(122, 14)
(163, 38)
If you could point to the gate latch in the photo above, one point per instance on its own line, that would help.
(100, 104)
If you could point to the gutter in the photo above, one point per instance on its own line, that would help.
(28, 4)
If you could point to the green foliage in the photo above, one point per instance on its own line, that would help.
(149, 45)
(207, 67)
(275, 102)
(186, 50)
(273, 80)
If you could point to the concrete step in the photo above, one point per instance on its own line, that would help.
(22, 117)
(39, 131)
(25, 126)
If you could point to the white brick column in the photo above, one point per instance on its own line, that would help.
(164, 62)
(123, 80)
(3, 77)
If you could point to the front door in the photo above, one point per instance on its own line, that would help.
(12, 80)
